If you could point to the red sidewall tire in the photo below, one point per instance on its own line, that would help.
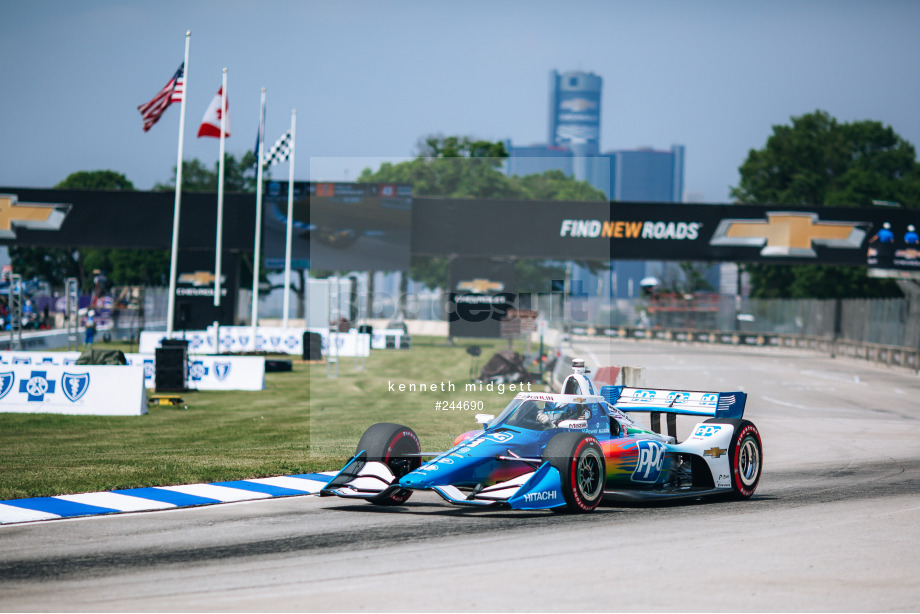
(745, 478)
(387, 443)
(571, 454)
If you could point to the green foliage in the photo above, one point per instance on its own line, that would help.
(122, 266)
(440, 146)
(54, 264)
(239, 175)
(815, 281)
(463, 167)
(819, 161)
(555, 185)
(95, 180)
(126, 267)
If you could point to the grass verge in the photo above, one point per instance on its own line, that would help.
(303, 421)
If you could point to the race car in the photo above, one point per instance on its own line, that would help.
(566, 452)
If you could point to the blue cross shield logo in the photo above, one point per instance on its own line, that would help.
(6, 383)
(221, 370)
(37, 386)
(197, 370)
(75, 385)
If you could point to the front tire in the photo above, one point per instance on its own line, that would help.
(745, 453)
(397, 447)
(580, 462)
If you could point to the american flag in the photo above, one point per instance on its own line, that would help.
(171, 92)
(279, 151)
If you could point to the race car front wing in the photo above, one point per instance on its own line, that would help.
(538, 489)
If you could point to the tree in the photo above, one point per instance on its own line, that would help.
(819, 161)
(239, 175)
(122, 266)
(464, 167)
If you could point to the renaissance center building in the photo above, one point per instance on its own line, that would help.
(637, 175)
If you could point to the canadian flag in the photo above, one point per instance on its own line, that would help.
(210, 124)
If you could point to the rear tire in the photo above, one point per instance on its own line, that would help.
(389, 444)
(745, 453)
(580, 462)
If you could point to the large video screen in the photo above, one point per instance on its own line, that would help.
(339, 226)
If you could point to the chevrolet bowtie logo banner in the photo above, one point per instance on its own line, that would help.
(480, 286)
(789, 234)
(199, 278)
(35, 216)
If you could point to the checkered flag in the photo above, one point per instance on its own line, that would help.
(280, 151)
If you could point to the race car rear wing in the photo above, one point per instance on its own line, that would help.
(674, 402)
(682, 402)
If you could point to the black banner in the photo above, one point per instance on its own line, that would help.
(651, 231)
(365, 226)
(339, 226)
(481, 293)
(122, 219)
(195, 284)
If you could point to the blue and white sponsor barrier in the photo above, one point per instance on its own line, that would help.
(39, 358)
(233, 340)
(159, 498)
(211, 372)
(204, 372)
(93, 390)
(236, 339)
(351, 343)
(389, 339)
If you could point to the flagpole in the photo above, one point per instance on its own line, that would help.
(220, 207)
(258, 241)
(290, 225)
(174, 254)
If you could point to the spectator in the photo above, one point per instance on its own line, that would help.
(90, 327)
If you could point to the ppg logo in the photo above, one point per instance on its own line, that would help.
(643, 396)
(709, 399)
(706, 430)
(651, 460)
(678, 398)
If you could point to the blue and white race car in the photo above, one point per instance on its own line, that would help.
(567, 452)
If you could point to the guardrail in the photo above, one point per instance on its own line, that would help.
(872, 352)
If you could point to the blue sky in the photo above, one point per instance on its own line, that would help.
(368, 79)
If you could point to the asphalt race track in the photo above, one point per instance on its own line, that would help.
(832, 527)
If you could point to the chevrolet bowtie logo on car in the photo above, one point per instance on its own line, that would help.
(34, 216)
(480, 286)
(715, 452)
(198, 278)
(789, 234)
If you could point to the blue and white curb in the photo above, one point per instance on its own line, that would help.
(159, 497)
